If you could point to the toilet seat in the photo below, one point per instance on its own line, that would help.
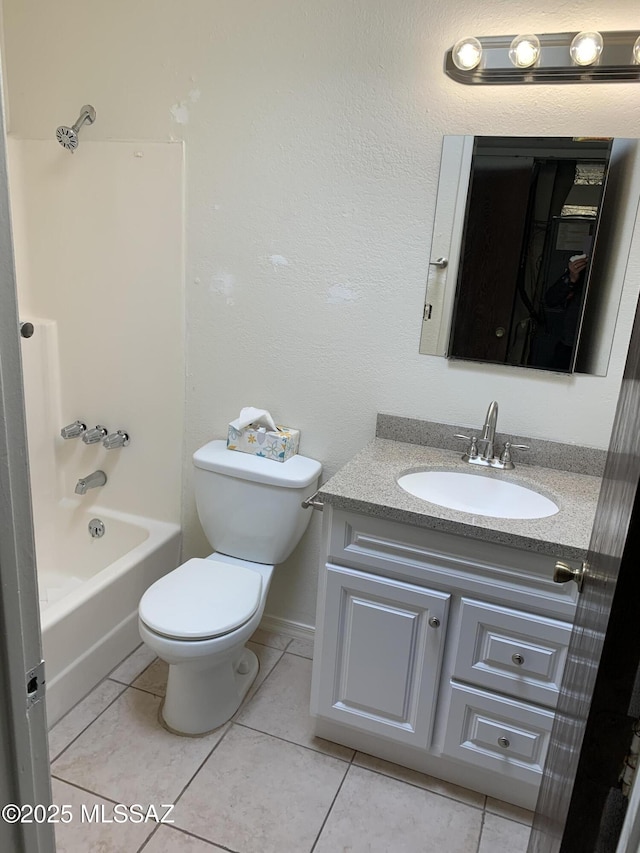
(201, 599)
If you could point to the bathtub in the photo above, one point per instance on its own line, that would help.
(89, 589)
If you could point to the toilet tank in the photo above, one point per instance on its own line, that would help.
(249, 506)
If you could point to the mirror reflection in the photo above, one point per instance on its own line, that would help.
(533, 279)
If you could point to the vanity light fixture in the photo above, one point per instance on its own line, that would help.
(583, 57)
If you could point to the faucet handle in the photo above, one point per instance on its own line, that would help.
(472, 450)
(119, 438)
(73, 430)
(505, 456)
(93, 436)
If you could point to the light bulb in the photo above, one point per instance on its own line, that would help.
(524, 51)
(466, 54)
(636, 51)
(586, 48)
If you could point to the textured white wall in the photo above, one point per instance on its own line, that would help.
(313, 136)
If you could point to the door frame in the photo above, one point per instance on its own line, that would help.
(24, 753)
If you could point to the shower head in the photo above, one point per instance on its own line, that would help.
(68, 136)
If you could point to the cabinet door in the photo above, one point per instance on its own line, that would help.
(382, 650)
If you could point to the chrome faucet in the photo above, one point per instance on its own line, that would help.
(92, 481)
(489, 430)
(488, 439)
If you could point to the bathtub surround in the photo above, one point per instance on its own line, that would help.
(314, 135)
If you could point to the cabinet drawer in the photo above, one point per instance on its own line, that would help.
(512, 652)
(498, 734)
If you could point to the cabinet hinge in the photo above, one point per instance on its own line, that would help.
(35, 684)
(428, 307)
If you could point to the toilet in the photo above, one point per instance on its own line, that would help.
(198, 617)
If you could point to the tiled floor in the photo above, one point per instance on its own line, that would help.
(260, 784)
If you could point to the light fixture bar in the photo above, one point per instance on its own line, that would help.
(616, 62)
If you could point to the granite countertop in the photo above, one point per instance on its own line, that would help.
(368, 484)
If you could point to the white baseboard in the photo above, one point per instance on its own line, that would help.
(278, 625)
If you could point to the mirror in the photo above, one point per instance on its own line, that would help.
(530, 244)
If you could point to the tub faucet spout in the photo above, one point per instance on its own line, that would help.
(92, 481)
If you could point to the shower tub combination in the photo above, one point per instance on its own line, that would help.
(89, 587)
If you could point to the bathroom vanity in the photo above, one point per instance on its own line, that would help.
(441, 636)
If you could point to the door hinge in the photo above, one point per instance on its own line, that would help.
(35, 684)
(631, 761)
(428, 307)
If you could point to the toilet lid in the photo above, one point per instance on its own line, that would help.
(201, 599)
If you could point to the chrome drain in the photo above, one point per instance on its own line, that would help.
(96, 528)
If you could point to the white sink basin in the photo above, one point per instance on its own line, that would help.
(476, 494)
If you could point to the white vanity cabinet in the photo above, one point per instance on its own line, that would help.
(439, 652)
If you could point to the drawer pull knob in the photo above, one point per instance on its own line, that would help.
(434, 622)
(504, 742)
(517, 659)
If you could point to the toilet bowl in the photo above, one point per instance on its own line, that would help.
(209, 673)
(198, 617)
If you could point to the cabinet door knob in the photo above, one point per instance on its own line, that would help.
(434, 622)
(517, 659)
(504, 742)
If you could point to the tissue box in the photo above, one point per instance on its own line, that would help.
(260, 441)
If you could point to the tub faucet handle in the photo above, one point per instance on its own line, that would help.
(73, 430)
(119, 438)
(93, 436)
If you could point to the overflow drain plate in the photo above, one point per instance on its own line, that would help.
(96, 528)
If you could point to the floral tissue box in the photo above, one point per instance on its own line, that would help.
(260, 441)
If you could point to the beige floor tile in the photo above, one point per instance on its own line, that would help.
(304, 648)
(375, 814)
(131, 667)
(167, 840)
(281, 707)
(82, 715)
(430, 783)
(257, 794)
(270, 638)
(154, 678)
(267, 657)
(127, 756)
(511, 812)
(90, 829)
(500, 835)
